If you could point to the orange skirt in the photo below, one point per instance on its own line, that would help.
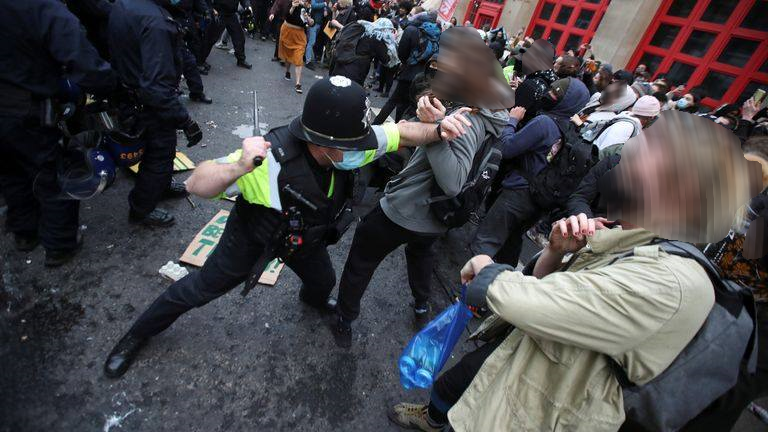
(293, 44)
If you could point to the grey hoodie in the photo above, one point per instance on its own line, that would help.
(406, 196)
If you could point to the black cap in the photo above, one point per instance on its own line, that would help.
(336, 114)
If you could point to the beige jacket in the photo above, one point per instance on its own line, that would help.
(551, 373)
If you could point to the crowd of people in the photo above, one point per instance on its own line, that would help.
(628, 185)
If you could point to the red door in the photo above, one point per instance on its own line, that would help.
(482, 12)
(566, 23)
(718, 46)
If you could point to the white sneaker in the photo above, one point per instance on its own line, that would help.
(221, 46)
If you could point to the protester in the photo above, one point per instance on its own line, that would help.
(529, 149)
(567, 66)
(556, 338)
(403, 215)
(628, 124)
(616, 98)
(30, 154)
(293, 40)
(413, 51)
(377, 42)
(317, 7)
(314, 156)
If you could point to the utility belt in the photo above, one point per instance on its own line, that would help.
(33, 109)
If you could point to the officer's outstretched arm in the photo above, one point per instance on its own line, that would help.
(211, 178)
(413, 134)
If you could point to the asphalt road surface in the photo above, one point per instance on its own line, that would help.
(261, 363)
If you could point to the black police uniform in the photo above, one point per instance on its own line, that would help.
(189, 51)
(228, 19)
(144, 40)
(39, 39)
(250, 233)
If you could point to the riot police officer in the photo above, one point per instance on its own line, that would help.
(40, 38)
(189, 50)
(226, 11)
(144, 40)
(291, 206)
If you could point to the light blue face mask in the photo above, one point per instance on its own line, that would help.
(352, 160)
(682, 103)
(174, 2)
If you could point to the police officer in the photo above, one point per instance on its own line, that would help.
(226, 10)
(144, 41)
(40, 38)
(184, 13)
(291, 206)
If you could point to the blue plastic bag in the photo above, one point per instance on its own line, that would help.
(428, 351)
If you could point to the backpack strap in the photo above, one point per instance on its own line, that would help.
(728, 294)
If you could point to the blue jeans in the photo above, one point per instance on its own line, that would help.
(311, 38)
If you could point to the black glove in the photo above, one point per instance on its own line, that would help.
(759, 203)
(192, 132)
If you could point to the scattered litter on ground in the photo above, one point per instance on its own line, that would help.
(211, 124)
(173, 271)
(266, 325)
(116, 420)
(110, 246)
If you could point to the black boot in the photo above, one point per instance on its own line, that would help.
(156, 218)
(122, 355)
(59, 257)
(326, 306)
(342, 332)
(26, 243)
(200, 97)
(244, 64)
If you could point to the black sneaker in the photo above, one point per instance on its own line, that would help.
(342, 332)
(122, 355)
(287, 76)
(298, 89)
(324, 307)
(26, 243)
(157, 218)
(421, 309)
(244, 64)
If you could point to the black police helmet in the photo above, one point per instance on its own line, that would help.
(336, 114)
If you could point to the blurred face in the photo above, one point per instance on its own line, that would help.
(640, 69)
(612, 93)
(671, 170)
(689, 98)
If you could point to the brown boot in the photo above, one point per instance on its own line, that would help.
(412, 416)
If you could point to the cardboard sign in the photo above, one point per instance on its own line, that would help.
(206, 240)
(181, 163)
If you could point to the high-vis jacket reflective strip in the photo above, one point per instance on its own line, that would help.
(260, 185)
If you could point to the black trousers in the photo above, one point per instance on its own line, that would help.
(451, 384)
(398, 101)
(216, 27)
(500, 233)
(277, 23)
(156, 167)
(376, 237)
(191, 73)
(245, 236)
(29, 155)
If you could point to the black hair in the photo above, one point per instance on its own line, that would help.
(661, 97)
(405, 5)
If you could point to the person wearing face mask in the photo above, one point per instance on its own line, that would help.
(294, 203)
(688, 103)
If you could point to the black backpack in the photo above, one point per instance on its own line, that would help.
(457, 210)
(551, 187)
(344, 47)
(708, 366)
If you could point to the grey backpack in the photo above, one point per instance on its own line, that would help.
(708, 366)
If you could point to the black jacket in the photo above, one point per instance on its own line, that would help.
(409, 43)
(367, 49)
(586, 198)
(43, 42)
(144, 41)
(229, 7)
